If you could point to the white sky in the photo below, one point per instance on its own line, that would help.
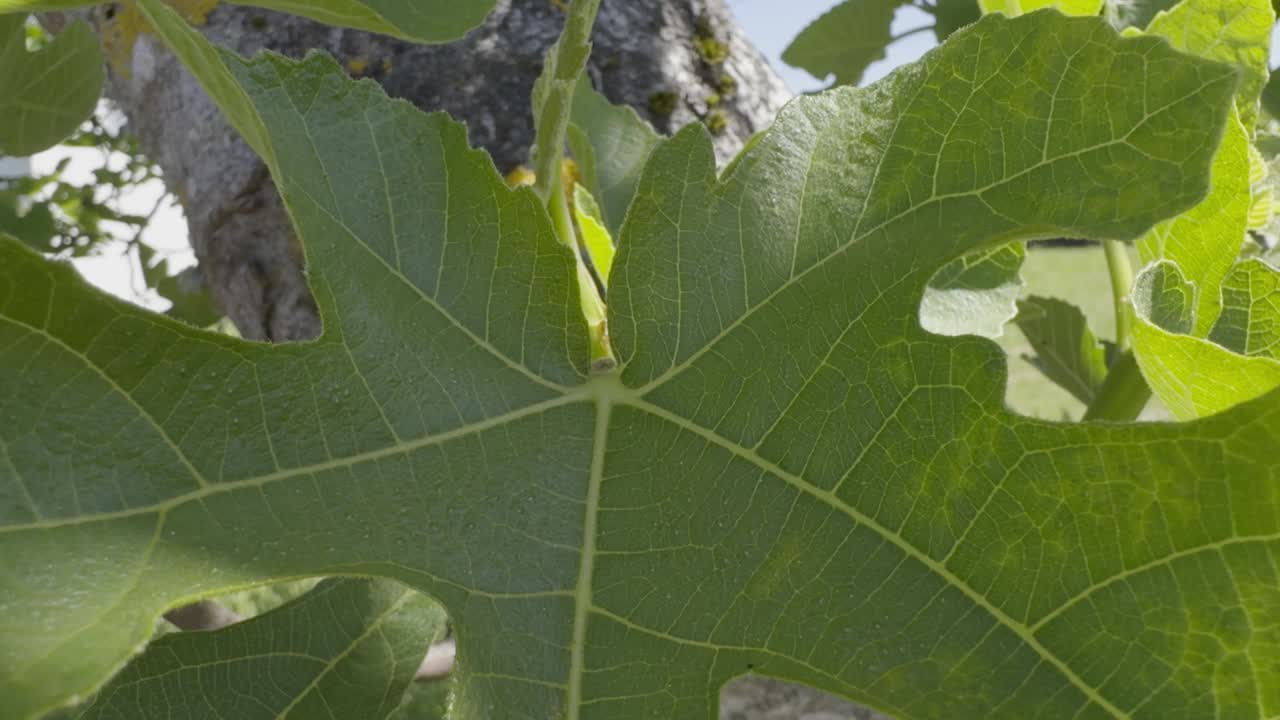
(770, 24)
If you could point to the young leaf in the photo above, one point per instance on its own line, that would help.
(1205, 241)
(789, 476)
(1067, 351)
(45, 95)
(1193, 376)
(346, 649)
(976, 294)
(844, 41)
(1232, 31)
(595, 238)
(424, 21)
(611, 144)
(1250, 319)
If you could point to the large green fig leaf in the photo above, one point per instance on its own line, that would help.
(786, 476)
(1206, 240)
(45, 95)
(426, 21)
(348, 648)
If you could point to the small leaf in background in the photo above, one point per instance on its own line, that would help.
(1250, 319)
(34, 228)
(46, 94)
(611, 144)
(1067, 351)
(951, 15)
(347, 649)
(1165, 298)
(844, 41)
(976, 294)
(1236, 32)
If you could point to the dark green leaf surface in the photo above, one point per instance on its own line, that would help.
(426, 21)
(45, 95)
(787, 476)
(348, 648)
(1067, 351)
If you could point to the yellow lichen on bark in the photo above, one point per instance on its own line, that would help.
(120, 30)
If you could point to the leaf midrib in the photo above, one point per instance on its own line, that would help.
(829, 498)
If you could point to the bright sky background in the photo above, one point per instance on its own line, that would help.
(771, 25)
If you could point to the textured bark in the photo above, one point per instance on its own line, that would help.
(645, 56)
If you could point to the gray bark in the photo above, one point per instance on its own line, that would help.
(645, 56)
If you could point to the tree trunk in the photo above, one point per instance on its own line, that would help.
(645, 56)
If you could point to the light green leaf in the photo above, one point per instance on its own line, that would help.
(36, 227)
(976, 294)
(1165, 298)
(1013, 8)
(1205, 241)
(1250, 319)
(1232, 31)
(611, 144)
(1195, 377)
(45, 95)
(595, 237)
(424, 21)
(844, 41)
(346, 649)
(1067, 351)
(788, 476)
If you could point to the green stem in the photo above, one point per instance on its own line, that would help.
(561, 217)
(1123, 394)
(553, 94)
(1121, 285)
